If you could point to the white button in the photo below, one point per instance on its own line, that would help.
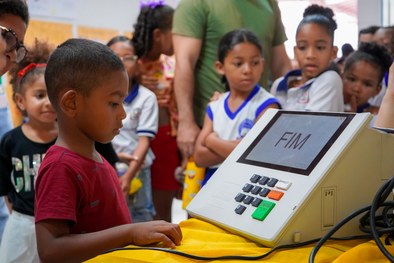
(284, 185)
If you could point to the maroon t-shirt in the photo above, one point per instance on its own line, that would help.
(75, 188)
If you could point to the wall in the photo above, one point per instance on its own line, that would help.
(369, 13)
(90, 16)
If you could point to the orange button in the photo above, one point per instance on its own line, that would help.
(275, 195)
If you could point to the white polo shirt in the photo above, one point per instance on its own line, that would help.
(323, 93)
(142, 120)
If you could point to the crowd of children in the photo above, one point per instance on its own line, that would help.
(105, 117)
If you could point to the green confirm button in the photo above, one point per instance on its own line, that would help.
(263, 210)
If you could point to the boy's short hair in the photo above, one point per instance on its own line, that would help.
(80, 65)
(15, 7)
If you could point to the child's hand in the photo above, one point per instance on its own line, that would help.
(149, 81)
(179, 174)
(353, 103)
(124, 184)
(156, 232)
(163, 98)
(215, 96)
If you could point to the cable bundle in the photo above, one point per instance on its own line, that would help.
(377, 221)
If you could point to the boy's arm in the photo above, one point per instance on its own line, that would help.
(135, 162)
(56, 244)
(203, 156)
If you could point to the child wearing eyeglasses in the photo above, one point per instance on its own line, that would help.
(14, 18)
(21, 152)
(132, 144)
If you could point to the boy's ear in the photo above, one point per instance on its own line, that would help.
(68, 102)
(19, 101)
(219, 68)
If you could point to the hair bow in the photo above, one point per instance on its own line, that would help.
(152, 4)
(31, 66)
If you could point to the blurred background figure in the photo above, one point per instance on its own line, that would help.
(367, 34)
(346, 49)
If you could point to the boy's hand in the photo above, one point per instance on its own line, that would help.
(156, 232)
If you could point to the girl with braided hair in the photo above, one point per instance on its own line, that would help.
(152, 40)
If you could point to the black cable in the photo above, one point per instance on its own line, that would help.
(384, 221)
(333, 230)
(378, 202)
(379, 198)
(236, 257)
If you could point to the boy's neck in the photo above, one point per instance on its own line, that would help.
(77, 142)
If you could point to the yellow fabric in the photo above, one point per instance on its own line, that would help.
(204, 239)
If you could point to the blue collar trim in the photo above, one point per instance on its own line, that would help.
(132, 94)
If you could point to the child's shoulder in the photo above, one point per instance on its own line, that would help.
(57, 156)
(145, 92)
(218, 99)
(328, 76)
(263, 93)
(14, 134)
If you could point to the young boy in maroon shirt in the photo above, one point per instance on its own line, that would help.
(80, 211)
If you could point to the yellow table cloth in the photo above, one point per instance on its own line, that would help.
(201, 238)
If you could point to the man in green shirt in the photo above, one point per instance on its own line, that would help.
(197, 29)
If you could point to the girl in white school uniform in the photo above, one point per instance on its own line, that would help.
(232, 115)
(316, 86)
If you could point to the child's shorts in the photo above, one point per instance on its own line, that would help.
(19, 240)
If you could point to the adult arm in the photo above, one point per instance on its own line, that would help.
(280, 62)
(187, 51)
(56, 244)
(385, 117)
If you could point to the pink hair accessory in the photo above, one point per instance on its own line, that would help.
(31, 66)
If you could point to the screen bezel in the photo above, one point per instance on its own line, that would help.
(319, 156)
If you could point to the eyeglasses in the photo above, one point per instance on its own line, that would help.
(12, 43)
(129, 59)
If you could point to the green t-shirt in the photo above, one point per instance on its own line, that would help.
(209, 20)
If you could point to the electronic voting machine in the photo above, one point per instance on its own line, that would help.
(295, 175)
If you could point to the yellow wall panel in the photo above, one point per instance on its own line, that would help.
(52, 32)
(97, 34)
